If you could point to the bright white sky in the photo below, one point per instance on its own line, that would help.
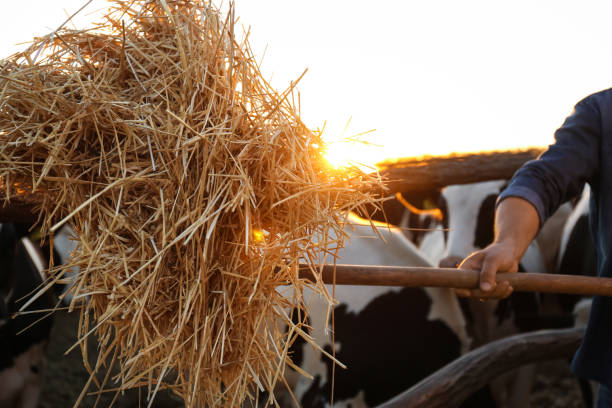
(430, 76)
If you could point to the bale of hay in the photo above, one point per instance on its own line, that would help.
(194, 187)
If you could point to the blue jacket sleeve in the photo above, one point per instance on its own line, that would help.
(560, 172)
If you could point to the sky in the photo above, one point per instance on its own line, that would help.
(429, 77)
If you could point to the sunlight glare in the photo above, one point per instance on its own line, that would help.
(344, 153)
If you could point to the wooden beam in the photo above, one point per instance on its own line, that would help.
(434, 172)
(457, 278)
(452, 384)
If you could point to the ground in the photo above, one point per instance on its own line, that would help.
(556, 387)
(65, 377)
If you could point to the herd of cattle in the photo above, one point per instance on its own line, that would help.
(389, 337)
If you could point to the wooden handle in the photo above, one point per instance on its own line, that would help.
(457, 278)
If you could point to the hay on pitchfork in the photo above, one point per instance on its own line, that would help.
(193, 186)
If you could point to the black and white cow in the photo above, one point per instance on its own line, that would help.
(389, 337)
(22, 336)
(467, 226)
(385, 335)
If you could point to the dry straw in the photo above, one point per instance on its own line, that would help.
(193, 186)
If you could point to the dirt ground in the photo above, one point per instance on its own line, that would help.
(556, 387)
(65, 377)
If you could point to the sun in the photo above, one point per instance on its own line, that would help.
(343, 153)
(337, 155)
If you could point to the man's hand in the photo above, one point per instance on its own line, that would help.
(495, 258)
(516, 224)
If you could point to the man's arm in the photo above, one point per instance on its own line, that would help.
(535, 192)
(560, 173)
(516, 224)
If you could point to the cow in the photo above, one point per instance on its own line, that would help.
(563, 245)
(463, 224)
(23, 336)
(389, 337)
(468, 225)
